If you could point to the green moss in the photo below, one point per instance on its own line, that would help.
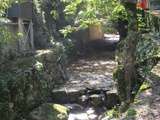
(118, 76)
(60, 108)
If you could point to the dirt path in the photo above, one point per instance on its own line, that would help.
(147, 105)
(93, 71)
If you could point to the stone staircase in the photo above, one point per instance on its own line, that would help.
(90, 82)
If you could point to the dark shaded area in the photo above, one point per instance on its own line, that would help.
(102, 45)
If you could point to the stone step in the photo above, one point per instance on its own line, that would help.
(84, 96)
(90, 82)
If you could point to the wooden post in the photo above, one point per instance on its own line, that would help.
(21, 35)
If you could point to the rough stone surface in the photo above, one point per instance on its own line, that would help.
(52, 69)
(90, 79)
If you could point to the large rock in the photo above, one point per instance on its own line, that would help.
(53, 65)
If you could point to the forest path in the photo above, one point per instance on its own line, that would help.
(91, 73)
(90, 88)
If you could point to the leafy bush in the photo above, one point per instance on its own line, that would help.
(83, 13)
(119, 13)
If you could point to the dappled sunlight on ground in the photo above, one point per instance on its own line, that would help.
(148, 105)
(112, 37)
(93, 71)
(156, 70)
(88, 114)
(90, 83)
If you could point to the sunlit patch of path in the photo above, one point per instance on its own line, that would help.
(93, 71)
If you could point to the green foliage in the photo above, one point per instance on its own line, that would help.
(25, 84)
(67, 30)
(119, 13)
(88, 12)
(113, 113)
(71, 8)
(37, 5)
(20, 88)
(4, 4)
(7, 40)
(146, 85)
(54, 14)
(146, 49)
(69, 47)
(5, 36)
(141, 20)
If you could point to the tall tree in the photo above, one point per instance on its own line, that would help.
(130, 48)
(129, 42)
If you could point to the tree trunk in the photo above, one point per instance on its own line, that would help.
(54, 24)
(131, 42)
(45, 24)
(126, 74)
